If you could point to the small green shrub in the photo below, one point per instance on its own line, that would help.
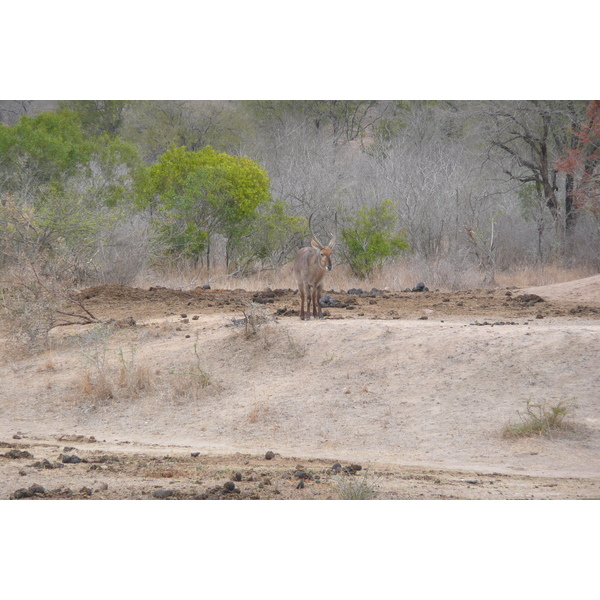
(540, 419)
(370, 238)
(350, 487)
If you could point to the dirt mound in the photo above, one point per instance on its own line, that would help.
(124, 293)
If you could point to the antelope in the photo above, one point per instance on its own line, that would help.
(310, 266)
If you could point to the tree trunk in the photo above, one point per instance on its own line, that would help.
(569, 204)
(208, 257)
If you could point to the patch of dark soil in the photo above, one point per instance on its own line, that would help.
(132, 305)
(529, 299)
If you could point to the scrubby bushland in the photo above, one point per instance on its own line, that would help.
(117, 188)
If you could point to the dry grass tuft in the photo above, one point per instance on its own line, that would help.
(133, 378)
(189, 382)
(135, 381)
(351, 487)
(112, 374)
(97, 387)
(258, 413)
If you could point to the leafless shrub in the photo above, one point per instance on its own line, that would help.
(38, 296)
(97, 382)
(450, 273)
(257, 324)
(122, 252)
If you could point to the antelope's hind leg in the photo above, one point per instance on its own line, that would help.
(309, 295)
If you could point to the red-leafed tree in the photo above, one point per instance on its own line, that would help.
(581, 163)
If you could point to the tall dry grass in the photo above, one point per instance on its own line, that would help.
(406, 273)
(533, 276)
(116, 370)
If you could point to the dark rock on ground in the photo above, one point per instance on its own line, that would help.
(328, 301)
(14, 453)
(352, 469)
(71, 458)
(46, 464)
(34, 490)
(162, 494)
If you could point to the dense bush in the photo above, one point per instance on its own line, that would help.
(370, 238)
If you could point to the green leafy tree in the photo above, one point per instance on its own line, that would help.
(110, 176)
(370, 238)
(273, 236)
(63, 224)
(196, 194)
(50, 153)
(45, 149)
(61, 189)
(99, 117)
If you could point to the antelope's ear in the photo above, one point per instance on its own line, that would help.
(316, 244)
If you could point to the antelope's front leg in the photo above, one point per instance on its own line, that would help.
(319, 295)
(315, 303)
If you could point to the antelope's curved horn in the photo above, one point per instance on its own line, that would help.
(314, 237)
(332, 242)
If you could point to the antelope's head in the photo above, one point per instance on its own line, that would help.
(325, 251)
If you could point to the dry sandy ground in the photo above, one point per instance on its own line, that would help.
(415, 388)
